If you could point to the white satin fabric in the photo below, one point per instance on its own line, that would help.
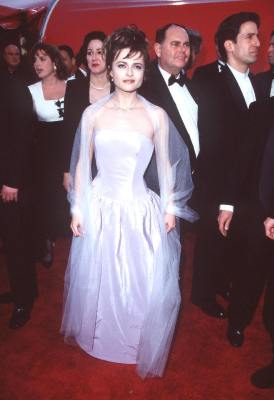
(122, 296)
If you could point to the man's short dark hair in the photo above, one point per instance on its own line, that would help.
(67, 49)
(161, 32)
(272, 34)
(230, 27)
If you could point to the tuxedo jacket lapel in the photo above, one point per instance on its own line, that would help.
(235, 90)
(83, 93)
(255, 86)
(157, 92)
(268, 82)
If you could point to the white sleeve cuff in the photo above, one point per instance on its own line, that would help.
(75, 210)
(226, 207)
(170, 209)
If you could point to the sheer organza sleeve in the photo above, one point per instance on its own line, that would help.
(173, 168)
(80, 166)
(170, 171)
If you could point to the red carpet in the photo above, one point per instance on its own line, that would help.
(36, 364)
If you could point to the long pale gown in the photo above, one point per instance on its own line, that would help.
(121, 285)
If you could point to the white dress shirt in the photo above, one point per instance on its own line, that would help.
(187, 107)
(272, 88)
(245, 85)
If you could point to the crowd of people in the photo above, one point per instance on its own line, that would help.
(137, 146)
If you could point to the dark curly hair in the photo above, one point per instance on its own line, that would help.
(129, 37)
(81, 57)
(55, 56)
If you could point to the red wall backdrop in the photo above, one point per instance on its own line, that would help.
(67, 25)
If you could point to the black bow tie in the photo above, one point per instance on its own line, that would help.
(180, 80)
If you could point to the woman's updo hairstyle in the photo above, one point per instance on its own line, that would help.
(128, 37)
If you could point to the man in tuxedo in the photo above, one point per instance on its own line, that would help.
(264, 377)
(15, 201)
(244, 232)
(266, 79)
(167, 86)
(224, 100)
(253, 219)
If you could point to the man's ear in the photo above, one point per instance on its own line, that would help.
(229, 46)
(73, 61)
(157, 49)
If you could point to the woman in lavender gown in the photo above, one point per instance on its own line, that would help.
(122, 296)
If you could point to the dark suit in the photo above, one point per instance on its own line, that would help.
(76, 100)
(15, 171)
(23, 72)
(79, 74)
(251, 251)
(224, 122)
(264, 82)
(258, 203)
(267, 186)
(207, 71)
(156, 91)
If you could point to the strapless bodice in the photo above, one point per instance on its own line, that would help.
(122, 159)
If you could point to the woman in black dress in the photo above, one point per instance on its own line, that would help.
(80, 93)
(48, 105)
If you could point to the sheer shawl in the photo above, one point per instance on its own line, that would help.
(169, 170)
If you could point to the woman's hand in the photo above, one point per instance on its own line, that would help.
(170, 222)
(76, 226)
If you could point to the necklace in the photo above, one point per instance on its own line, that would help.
(99, 88)
(124, 108)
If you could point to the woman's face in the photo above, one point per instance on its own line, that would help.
(128, 72)
(96, 57)
(43, 64)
